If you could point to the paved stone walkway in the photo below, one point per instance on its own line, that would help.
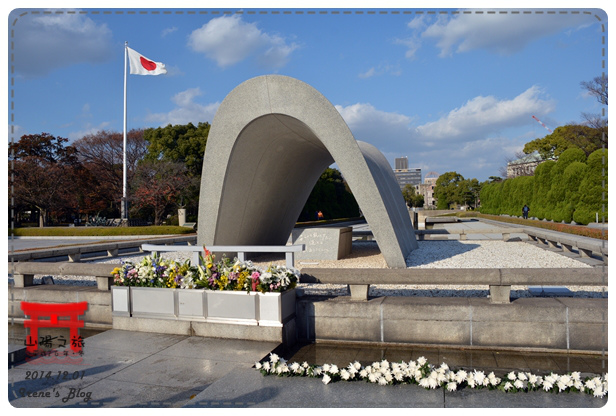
(131, 369)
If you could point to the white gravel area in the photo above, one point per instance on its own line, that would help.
(430, 254)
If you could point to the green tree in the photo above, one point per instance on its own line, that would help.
(447, 190)
(184, 144)
(566, 137)
(180, 144)
(411, 197)
(332, 196)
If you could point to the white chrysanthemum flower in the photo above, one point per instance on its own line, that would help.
(599, 392)
(305, 364)
(382, 381)
(417, 374)
(363, 373)
(547, 386)
(561, 386)
(357, 365)
(266, 366)
(479, 377)
(578, 384)
(444, 367)
(412, 365)
(533, 379)
(522, 376)
(433, 375)
(325, 367)
(274, 358)
(461, 376)
(326, 379)
(424, 383)
(333, 369)
(295, 367)
(511, 376)
(384, 364)
(388, 377)
(519, 384)
(285, 368)
(508, 386)
(399, 375)
(432, 383)
(344, 374)
(470, 380)
(376, 366)
(590, 384)
(368, 369)
(373, 377)
(576, 376)
(317, 371)
(258, 365)
(422, 360)
(452, 386)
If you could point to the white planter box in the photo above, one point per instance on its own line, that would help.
(190, 304)
(152, 302)
(232, 307)
(120, 300)
(242, 308)
(276, 308)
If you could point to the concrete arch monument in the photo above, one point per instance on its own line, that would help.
(270, 140)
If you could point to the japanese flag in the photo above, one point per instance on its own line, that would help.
(140, 65)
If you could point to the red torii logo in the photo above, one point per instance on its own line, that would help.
(53, 310)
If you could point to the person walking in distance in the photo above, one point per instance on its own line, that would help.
(525, 211)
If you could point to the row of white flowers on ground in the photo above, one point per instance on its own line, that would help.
(430, 377)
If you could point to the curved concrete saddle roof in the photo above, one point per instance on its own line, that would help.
(271, 139)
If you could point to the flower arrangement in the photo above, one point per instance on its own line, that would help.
(225, 274)
(154, 271)
(430, 377)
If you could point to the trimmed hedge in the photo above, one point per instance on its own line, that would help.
(571, 189)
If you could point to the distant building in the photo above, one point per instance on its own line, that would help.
(401, 163)
(404, 175)
(524, 166)
(427, 189)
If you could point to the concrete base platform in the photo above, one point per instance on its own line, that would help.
(284, 334)
(572, 324)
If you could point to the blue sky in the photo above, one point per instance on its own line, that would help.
(451, 89)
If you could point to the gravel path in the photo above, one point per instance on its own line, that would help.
(430, 254)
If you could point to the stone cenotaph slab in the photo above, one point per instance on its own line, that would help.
(323, 243)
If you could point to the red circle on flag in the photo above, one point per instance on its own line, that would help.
(149, 65)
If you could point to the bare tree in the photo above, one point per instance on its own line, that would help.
(597, 88)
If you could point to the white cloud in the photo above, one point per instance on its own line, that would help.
(187, 110)
(87, 130)
(482, 115)
(168, 31)
(229, 40)
(380, 70)
(473, 139)
(44, 43)
(500, 33)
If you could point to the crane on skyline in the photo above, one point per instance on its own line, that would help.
(540, 122)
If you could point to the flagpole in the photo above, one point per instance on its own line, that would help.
(124, 207)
